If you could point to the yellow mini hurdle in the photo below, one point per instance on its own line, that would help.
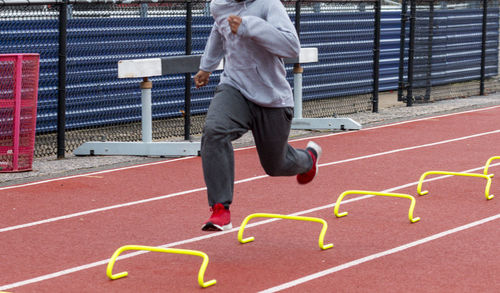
(487, 177)
(201, 272)
(298, 218)
(410, 212)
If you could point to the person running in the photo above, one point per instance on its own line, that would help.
(253, 94)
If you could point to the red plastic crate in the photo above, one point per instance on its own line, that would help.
(18, 102)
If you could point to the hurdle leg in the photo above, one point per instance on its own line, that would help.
(488, 163)
(147, 116)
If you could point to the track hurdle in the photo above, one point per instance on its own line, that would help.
(201, 272)
(298, 218)
(487, 177)
(146, 68)
(298, 122)
(410, 211)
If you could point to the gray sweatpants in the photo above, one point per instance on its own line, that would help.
(231, 115)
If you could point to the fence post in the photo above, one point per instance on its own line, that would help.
(376, 56)
(61, 100)
(483, 47)
(402, 40)
(430, 38)
(187, 81)
(411, 52)
(297, 17)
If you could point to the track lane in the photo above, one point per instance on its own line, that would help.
(284, 250)
(402, 216)
(433, 264)
(285, 191)
(13, 208)
(113, 188)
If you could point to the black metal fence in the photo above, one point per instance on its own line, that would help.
(425, 50)
(451, 50)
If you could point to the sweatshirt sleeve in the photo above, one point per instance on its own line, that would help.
(276, 34)
(214, 52)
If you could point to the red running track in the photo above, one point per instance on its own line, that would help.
(58, 235)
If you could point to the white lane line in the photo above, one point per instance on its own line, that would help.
(238, 149)
(91, 173)
(412, 148)
(379, 255)
(173, 244)
(68, 216)
(212, 235)
(132, 203)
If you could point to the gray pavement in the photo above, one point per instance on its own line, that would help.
(390, 112)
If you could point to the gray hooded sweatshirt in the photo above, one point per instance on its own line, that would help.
(254, 56)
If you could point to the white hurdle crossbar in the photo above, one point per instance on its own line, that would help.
(145, 68)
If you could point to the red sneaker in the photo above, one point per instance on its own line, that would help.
(315, 152)
(220, 219)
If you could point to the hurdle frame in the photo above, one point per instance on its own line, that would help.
(150, 67)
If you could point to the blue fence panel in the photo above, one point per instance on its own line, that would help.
(390, 28)
(95, 96)
(345, 47)
(456, 46)
(37, 36)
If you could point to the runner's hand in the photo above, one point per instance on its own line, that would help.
(201, 78)
(234, 23)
